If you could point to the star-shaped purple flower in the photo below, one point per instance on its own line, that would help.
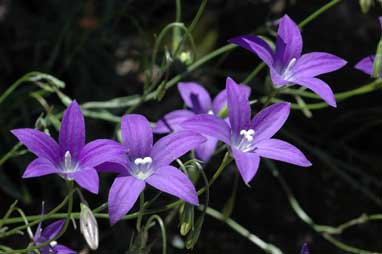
(366, 65)
(47, 234)
(287, 65)
(198, 100)
(148, 163)
(70, 158)
(249, 140)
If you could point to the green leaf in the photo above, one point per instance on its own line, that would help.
(193, 236)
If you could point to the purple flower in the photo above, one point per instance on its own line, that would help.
(70, 158)
(366, 65)
(198, 100)
(287, 65)
(48, 234)
(249, 140)
(148, 163)
(304, 249)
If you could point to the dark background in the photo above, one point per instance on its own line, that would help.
(98, 49)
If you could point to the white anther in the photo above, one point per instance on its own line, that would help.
(53, 243)
(67, 160)
(143, 161)
(210, 112)
(248, 134)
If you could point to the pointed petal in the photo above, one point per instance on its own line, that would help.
(40, 167)
(88, 179)
(195, 97)
(137, 135)
(282, 151)
(210, 126)
(72, 131)
(206, 149)
(289, 41)
(111, 167)
(123, 194)
(256, 45)
(247, 163)
(171, 121)
(269, 120)
(173, 146)
(62, 249)
(316, 63)
(319, 87)
(172, 181)
(219, 102)
(366, 65)
(39, 143)
(100, 151)
(239, 110)
(53, 229)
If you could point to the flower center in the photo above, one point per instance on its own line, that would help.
(286, 74)
(246, 140)
(53, 244)
(210, 112)
(142, 168)
(69, 166)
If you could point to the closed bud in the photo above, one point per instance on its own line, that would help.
(89, 226)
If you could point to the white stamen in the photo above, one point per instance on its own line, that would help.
(210, 112)
(53, 243)
(248, 134)
(286, 73)
(67, 160)
(143, 161)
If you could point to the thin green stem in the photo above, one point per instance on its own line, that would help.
(317, 13)
(162, 228)
(141, 210)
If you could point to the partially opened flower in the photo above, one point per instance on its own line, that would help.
(47, 234)
(287, 65)
(249, 139)
(366, 65)
(70, 158)
(198, 100)
(150, 164)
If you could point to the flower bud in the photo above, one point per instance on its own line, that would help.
(89, 226)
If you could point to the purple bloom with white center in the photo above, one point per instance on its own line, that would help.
(366, 65)
(198, 100)
(249, 139)
(71, 158)
(287, 65)
(150, 163)
(47, 234)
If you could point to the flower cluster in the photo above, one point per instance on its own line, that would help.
(139, 161)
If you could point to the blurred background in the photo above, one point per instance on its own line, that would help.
(103, 49)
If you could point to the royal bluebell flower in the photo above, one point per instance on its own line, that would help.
(287, 65)
(366, 65)
(47, 234)
(148, 163)
(304, 249)
(71, 158)
(249, 140)
(198, 100)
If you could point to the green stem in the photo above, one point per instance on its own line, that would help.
(317, 13)
(141, 210)
(162, 228)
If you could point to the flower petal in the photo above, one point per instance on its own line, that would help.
(123, 194)
(137, 135)
(288, 42)
(53, 229)
(219, 102)
(269, 120)
(195, 96)
(171, 121)
(72, 131)
(100, 151)
(39, 143)
(62, 249)
(256, 45)
(366, 65)
(316, 63)
(319, 87)
(88, 179)
(247, 163)
(172, 181)
(210, 126)
(239, 110)
(40, 167)
(111, 167)
(205, 150)
(173, 146)
(282, 151)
